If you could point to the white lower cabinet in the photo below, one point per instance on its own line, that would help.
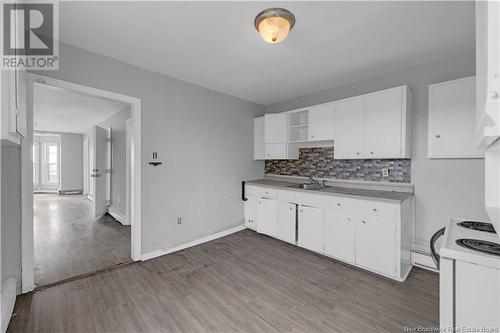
(310, 230)
(251, 212)
(376, 243)
(266, 216)
(286, 221)
(371, 234)
(340, 234)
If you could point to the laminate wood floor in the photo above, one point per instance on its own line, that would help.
(69, 241)
(244, 282)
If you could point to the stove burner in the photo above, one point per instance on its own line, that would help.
(480, 245)
(479, 226)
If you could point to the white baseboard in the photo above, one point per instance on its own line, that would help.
(118, 215)
(157, 253)
(424, 261)
(8, 299)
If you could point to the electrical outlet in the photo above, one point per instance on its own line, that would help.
(385, 172)
(179, 220)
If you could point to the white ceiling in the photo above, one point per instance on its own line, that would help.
(214, 44)
(61, 110)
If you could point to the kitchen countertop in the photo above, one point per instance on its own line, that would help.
(386, 196)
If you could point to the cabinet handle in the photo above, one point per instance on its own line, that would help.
(357, 153)
(371, 152)
(301, 211)
(494, 95)
(349, 219)
(312, 136)
(338, 204)
(374, 210)
(438, 136)
(363, 222)
(290, 208)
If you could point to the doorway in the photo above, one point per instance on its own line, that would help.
(105, 209)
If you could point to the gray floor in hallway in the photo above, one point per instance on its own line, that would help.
(244, 282)
(69, 241)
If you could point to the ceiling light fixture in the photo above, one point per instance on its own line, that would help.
(273, 24)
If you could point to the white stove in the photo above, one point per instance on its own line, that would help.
(469, 264)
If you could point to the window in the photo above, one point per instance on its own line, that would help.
(52, 163)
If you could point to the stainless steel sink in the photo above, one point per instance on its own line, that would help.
(310, 186)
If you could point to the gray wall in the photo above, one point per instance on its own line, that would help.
(118, 161)
(204, 139)
(443, 188)
(11, 211)
(71, 162)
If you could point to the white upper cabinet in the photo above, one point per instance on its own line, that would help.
(487, 71)
(375, 125)
(349, 128)
(258, 139)
(276, 128)
(384, 125)
(451, 120)
(321, 122)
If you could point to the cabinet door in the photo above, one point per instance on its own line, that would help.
(266, 216)
(310, 230)
(286, 221)
(276, 151)
(321, 122)
(258, 139)
(452, 107)
(276, 128)
(349, 128)
(251, 212)
(383, 124)
(376, 244)
(340, 234)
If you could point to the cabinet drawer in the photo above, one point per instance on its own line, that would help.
(286, 196)
(267, 193)
(251, 190)
(377, 208)
(312, 200)
(340, 203)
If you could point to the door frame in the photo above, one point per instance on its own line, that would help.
(27, 233)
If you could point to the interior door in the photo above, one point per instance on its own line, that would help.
(97, 173)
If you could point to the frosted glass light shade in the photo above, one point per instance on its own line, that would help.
(274, 24)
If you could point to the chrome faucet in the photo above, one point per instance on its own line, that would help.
(313, 181)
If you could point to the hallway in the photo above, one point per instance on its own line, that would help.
(70, 242)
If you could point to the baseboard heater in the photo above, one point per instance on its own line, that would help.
(70, 192)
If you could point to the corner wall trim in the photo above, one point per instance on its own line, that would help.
(118, 215)
(158, 253)
(423, 260)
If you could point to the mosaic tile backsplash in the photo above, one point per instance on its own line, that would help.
(319, 162)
